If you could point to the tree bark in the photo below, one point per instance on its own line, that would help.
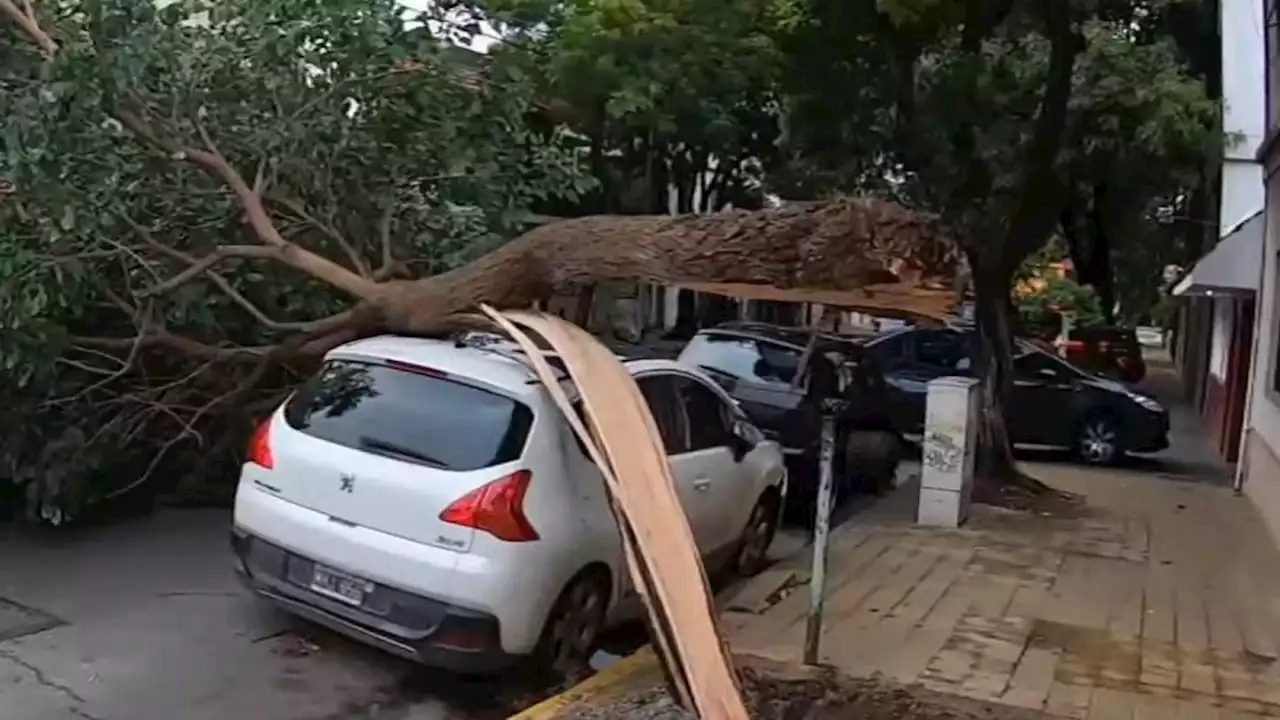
(995, 466)
(1099, 264)
(875, 255)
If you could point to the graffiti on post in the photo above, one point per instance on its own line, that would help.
(942, 452)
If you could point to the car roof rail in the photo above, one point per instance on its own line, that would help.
(503, 346)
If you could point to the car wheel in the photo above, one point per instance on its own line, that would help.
(1098, 440)
(573, 626)
(752, 552)
(873, 457)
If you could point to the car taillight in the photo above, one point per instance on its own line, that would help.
(260, 445)
(496, 508)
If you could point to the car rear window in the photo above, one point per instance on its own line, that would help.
(413, 416)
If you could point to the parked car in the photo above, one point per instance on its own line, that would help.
(425, 496)
(1109, 351)
(756, 364)
(1054, 403)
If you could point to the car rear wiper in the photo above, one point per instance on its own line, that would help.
(373, 443)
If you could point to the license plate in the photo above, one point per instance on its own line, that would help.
(340, 586)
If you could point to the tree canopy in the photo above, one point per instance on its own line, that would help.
(138, 305)
(196, 198)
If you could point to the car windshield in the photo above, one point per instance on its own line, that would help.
(411, 416)
(1027, 355)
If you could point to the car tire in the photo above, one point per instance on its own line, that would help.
(751, 554)
(573, 626)
(872, 458)
(1097, 440)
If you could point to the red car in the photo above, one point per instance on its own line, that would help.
(1110, 351)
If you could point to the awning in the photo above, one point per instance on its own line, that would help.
(1231, 267)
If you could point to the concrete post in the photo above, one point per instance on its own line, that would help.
(950, 444)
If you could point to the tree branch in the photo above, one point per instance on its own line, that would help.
(25, 18)
(295, 207)
(217, 166)
(388, 267)
(201, 266)
(162, 338)
(204, 265)
(1043, 191)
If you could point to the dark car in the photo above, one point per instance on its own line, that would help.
(756, 364)
(1054, 403)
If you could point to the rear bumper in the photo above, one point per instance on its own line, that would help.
(412, 626)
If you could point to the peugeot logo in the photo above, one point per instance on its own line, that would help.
(348, 483)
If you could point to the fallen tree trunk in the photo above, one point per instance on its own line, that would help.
(863, 254)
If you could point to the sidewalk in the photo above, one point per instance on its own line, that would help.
(1160, 602)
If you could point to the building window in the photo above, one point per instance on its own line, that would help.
(1275, 319)
(1272, 23)
(1272, 18)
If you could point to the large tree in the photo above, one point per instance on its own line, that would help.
(198, 205)
(993, 113)
(194, 195)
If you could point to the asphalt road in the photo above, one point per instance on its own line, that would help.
(145, 621)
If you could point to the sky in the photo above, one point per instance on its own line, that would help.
(481, 43)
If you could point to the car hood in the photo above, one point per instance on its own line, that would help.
(1107, 384)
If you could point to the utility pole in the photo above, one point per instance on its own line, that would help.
(821, 533)
(831, 406)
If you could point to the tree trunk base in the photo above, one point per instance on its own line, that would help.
(1016, 490)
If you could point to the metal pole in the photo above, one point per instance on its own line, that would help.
(821, 532)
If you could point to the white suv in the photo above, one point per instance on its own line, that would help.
(426, 496)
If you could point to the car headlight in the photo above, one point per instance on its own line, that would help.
(1147, 403)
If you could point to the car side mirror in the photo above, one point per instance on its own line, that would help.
(744, 438)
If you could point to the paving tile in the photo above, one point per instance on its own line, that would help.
(1158, 591)
(910, 661)
(1032, 678)
(1111, 704)
(1159, 664)
(1197, 709)
(869, 646)
(1191, 621)
(1155, 707)
(1069, 701)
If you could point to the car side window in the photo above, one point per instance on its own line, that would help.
(724, 354)
(709, 421)
(777, 364)
(659, 392)
(940, 349)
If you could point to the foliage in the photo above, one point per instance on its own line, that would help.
(367, 144)
(1147, 130)
(1041, 310)
(995, 115)
(676, 92)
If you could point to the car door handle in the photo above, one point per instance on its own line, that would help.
(702, 483)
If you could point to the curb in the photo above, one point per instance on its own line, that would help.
(610, 682)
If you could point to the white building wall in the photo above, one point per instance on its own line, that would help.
(1244, 78)
(1245, 118)
(1261, 457)
(1244, 83)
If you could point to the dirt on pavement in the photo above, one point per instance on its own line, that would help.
(778, 691)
